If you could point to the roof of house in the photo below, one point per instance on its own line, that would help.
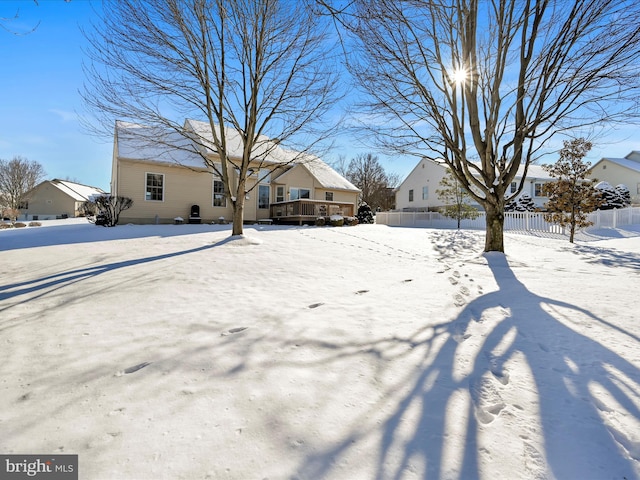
(327, 176)
(624, 162)
(534, 172)
(77, 191)
(138, 142)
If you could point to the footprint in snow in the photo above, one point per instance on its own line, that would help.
(233, 330)
(135, 368)
(360, 292)
(315, 305)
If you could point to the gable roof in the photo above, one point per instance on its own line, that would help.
(327, 176)
(77, 191)
(534, 172)
(138, 142)
(623, 162)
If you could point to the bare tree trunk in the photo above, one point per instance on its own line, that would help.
(484, 86)
(494, 239)
(238, 217)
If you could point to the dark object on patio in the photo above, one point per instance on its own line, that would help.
(194, 216)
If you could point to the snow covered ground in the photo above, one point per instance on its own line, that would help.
(367, 352)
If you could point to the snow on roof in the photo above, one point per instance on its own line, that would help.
(327, 176)
(625, 162)
(534, 172)
(76, 191)
(140, 142)
(265, 150)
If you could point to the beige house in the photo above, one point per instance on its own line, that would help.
(418, 192)
(57, 199)
(164, 182)
(620, 171)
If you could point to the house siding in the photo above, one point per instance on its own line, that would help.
(47, 200)
(182, 189)
(425, 174)
(607, 171)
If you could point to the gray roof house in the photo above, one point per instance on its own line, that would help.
(57, 199)
(620, 171)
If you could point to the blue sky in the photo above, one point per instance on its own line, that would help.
(41, 74)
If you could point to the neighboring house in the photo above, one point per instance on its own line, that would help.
(165, 182)
(418, 192)
(57, 199)
(620, 171)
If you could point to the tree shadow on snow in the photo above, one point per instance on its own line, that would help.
(562, 422)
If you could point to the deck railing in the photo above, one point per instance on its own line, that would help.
(307, 209)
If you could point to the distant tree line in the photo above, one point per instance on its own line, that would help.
(18, 177)
(377, 186)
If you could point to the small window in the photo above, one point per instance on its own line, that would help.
(155, 187)
(219, 198)
(280, 194)
(263, 196)
(411, 195)
(264, 176)
(425, 193)
(537, 190)
(604, 167)
(514, 187)
(328, 196)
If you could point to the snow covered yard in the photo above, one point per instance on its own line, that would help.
(368, 352)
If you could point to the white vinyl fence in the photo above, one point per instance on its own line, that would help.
(514, 221)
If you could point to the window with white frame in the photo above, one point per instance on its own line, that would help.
(425, 193)
(514, 187)
(299, 193)
(280, 193)
(411, 195)
(154, 187)
(537, 190)
(328, 196)
(263, 196)
(219, 198)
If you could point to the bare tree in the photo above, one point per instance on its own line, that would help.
(375, 184)
(484, 85)
(251, 68)
(17, 177)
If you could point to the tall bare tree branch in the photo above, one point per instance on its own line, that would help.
(484, 85)
(259, 68)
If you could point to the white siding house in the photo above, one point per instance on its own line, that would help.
(620, 171)
(418, 191)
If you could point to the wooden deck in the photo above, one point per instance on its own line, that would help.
(307, 210)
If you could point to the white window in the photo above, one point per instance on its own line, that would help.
(425, 193)
(298, 193)
(219, 198)
(263, 196)
(537, 190)
(328, 196)
(154, 187)
(279, 193)
(514, 187)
